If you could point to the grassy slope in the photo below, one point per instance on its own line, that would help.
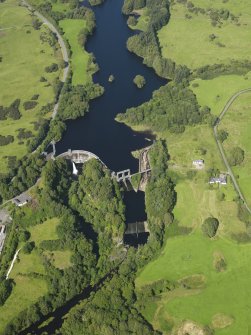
(237, 122)
(226, 292)
(216, 92)
(187, 41)
(20, 74)
(79, 59)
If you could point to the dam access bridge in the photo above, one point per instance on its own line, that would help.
(83, 156)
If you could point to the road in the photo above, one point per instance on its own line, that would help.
(12, 263)
(62, 47)
(222, 152)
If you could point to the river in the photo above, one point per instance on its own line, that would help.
(98, 132)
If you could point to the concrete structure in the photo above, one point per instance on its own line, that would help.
(21, 200)
(79, 156)
(4, 216)
(2, 236)
(222, 179)
(137, 228)
(199, 163)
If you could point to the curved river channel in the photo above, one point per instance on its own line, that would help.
(98, 132)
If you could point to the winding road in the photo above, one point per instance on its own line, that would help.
(62, 47)
(222, 152)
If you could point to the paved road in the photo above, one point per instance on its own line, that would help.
(61, 43)
(222, 152)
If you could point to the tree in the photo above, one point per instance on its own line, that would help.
(210, 227)
(222, 135)
(28, 247)
(5, 290)
(139, 81)
(237, 156)
(132, 21)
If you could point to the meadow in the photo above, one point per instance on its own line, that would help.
(186, 37)
(24, 58)
(80, 57)
(223, 295)
(237, 122)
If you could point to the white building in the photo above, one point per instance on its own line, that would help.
(222, 179)
(198, 163)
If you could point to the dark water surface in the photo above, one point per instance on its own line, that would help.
(98, 132)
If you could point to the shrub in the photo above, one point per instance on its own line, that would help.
(29, 105)
(5, 290)
(139, 81)
(210, 227)
(28, 247)
(5, 140)
(52, 68)
(236, 156)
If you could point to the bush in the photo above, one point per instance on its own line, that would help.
(236, 156)
(5, 290)
(139, 81)
(29, 105)
(5, 140)
(28, 247)
(132, 21)
(24, 236)
(210, 227)
(52, 68)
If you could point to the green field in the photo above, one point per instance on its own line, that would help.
(186, 40)
(79, 58)
(225, 293)
(216, 92)
(24, 58)
(237, 122)
(45, 231)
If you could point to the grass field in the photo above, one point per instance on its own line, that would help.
(225, 293)
(187, 40)
(237, 122)
(24, 58)
(216, 92)
(44, 231)
(79, 58)
(25, 292)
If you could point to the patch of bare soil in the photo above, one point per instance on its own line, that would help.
(220, 321)
(193, 282)
(190, 328)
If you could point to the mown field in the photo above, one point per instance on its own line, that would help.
(186, 39)
(221, 296)
(237, 122)
(27, 288)
(80, 57)
(24, 58)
